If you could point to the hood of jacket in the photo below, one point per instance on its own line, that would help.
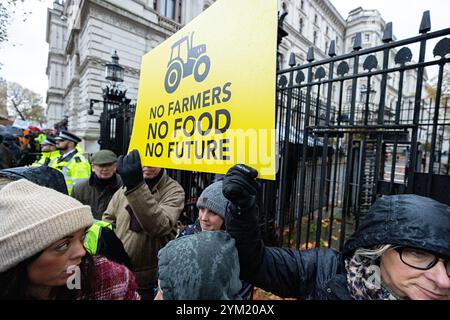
(43, 175)
(404, 220)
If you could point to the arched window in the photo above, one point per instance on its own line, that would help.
(363, 93)
(349, 94)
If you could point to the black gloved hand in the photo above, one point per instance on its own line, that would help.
(130, 169)
(240, 186)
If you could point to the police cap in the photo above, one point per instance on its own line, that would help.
(49, 141)
(66, 135)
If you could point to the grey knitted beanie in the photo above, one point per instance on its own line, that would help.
(202, 266)
(212, 198)
(34, 217)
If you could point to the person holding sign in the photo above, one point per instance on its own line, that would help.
(401, 250)
(144, 213)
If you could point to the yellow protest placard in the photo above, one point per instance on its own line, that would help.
(206, 97)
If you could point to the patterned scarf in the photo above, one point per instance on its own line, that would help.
(364, 280)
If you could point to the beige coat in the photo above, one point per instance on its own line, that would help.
(157, 212)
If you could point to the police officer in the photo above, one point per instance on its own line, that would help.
(49, 152)
(71, 162)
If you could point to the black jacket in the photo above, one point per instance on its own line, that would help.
(43, 175)
(405, 220)
(311, 274)
(96, 196)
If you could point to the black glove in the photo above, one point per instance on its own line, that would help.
(130, 169)
(240, 186)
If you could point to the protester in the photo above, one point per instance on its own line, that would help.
(41, 249)
(400, 250)
(211, 217)
(98, 190)
(144, 214)
(8, 141)
(41, 175)
(203, 266)
(100, 239)
(6, 157)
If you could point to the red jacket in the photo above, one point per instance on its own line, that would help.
(113, 281)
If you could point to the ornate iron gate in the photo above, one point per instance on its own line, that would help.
(116, 120)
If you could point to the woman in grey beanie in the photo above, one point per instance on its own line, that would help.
(41, 249)
(212, 206)
(211, 216)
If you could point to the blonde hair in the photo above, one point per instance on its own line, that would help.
(374, 253)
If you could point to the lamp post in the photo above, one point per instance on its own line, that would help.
(281, 34)
(116, 120)
(114, 73)
(113, 70)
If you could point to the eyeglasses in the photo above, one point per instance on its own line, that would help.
(420, 259)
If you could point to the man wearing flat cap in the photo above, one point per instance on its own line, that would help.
(48, 152)
(71, 162)
(98, 190)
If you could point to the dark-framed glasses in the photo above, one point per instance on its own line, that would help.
(421, 259)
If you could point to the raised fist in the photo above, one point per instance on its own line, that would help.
(240, 186)
(130, 169)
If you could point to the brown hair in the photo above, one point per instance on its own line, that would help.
(14, 283)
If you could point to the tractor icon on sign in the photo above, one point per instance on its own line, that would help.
(185, 60)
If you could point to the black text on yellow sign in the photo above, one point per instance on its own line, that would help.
(207, 95)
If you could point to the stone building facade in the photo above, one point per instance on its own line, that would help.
(83, 34)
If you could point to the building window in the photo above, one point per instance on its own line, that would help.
(349, 94)
(363, 93)
(302, 5)
(327, 30)
(300, 29)
(315, 37)
(168, 8)
(315, 18)
(367, 37)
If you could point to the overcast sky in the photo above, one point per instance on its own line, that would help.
(25, 56)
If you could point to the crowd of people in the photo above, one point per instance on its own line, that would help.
(108, 228)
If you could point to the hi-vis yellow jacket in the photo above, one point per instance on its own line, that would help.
(74, 167)
(46, 158)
